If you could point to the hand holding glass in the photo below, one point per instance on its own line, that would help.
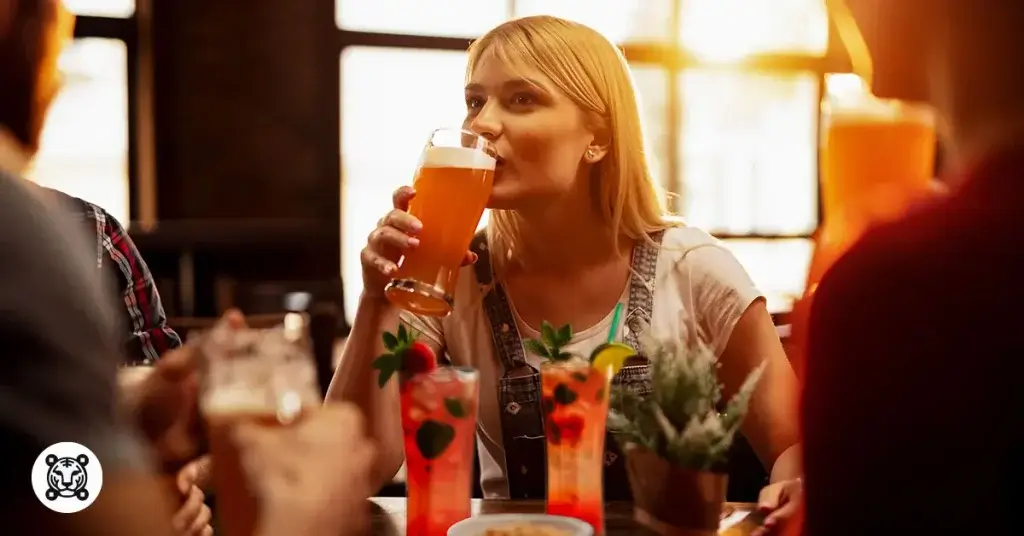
(267, 377)
(453, 184)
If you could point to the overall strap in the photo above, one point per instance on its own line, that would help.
(507, 341)
(641, 287)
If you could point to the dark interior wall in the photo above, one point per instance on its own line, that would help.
(247, 109)
(246, 126)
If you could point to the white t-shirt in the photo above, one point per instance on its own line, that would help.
(698, 282)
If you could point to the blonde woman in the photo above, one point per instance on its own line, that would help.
(576, 227)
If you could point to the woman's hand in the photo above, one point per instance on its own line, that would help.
(193, 518)
(780, 501)
(396, 233)
(313, 478)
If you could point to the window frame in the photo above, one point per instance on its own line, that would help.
(127, 31)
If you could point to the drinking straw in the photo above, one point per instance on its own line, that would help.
(616, 316)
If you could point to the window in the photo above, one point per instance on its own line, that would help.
(749, 151)
(84, 146)
(652, 89)
(102, 8)
(383, 128)
(725, 30)
(619, 20)
(778, 267)
(449, 18)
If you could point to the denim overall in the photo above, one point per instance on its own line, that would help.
(519, 393)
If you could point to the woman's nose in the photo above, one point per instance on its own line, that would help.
(486, 123)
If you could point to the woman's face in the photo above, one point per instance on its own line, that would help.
(541, 136)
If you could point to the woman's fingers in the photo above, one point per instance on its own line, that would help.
(401, 220)
(402, 196)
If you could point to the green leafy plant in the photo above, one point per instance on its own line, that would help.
(680, 419)
(551, 343)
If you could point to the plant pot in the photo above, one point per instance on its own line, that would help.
(672, 500)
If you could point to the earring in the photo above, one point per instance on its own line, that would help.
(590, 154)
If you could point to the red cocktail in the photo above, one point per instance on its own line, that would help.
(575, 400)
(439, 423)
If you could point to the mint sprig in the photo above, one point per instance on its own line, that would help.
(391, 361)
(551, 343)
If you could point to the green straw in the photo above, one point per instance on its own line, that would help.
(616, 316)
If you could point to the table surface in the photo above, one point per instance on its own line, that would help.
(389, 516)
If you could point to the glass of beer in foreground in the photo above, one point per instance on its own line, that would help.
(453, 183)
(265, 376)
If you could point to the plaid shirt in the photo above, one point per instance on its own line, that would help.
(148, 336)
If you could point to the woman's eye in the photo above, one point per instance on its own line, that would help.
(474, 102)
(523, 99)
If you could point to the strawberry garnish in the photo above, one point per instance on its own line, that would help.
(404, 355)
(418, 359)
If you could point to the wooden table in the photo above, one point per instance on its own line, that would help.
(389, 515)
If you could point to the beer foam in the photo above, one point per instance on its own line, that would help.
(458, 157)
(236, 401)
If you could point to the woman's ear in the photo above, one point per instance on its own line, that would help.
(598, 147)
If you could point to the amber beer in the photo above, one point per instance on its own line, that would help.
(877, 158)
(237, 503)
(453, 185)
(261, 376)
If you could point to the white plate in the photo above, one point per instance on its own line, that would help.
(475, 526)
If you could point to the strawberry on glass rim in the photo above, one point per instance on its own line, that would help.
(405, 355)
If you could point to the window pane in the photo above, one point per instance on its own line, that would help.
(722, 30)
(451, 18)
(778, 267)
(384, 126)
(652, 86)
(102, 8)
(84, 149)
(619, 20)
(748, 151)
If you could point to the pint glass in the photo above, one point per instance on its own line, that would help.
(877, 158)
(263, 376)
(453, 183)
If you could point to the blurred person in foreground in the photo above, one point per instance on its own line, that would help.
(58, 335)
(911, 404)
(581, 229)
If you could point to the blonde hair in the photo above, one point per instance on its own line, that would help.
(593, 73)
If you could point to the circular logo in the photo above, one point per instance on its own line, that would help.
(67, 477)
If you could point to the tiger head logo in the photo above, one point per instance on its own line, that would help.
(67, 477)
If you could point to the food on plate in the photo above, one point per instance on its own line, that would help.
(525, 529)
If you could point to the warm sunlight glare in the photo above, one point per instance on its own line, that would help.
(723, 31)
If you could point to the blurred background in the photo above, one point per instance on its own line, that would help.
(250, 147)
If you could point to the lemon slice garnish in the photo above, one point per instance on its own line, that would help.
(611, 355)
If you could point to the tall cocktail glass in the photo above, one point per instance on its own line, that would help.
(575, 402)
(439, 411)
(264, 376)
(453, 184)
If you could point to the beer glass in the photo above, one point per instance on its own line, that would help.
(264, 376)
(453, 183)
(877, 158)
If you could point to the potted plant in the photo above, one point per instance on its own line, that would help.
(676, 440)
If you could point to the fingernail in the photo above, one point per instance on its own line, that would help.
(417, 225)
(413, 241)
(388, 268)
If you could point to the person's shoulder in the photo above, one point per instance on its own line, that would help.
(909, 260)
(694, 254)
